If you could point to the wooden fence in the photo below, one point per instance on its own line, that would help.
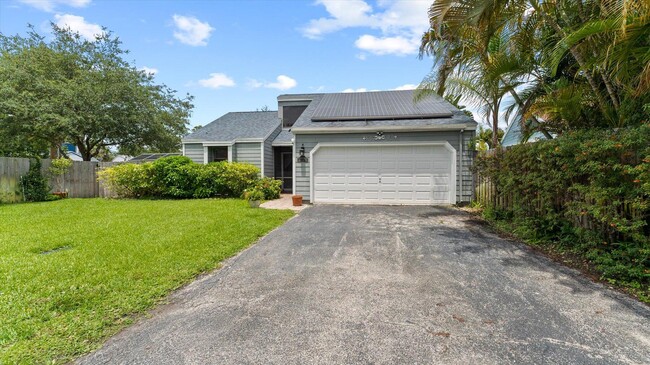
(80, 181)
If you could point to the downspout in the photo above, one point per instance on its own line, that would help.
(460, 168)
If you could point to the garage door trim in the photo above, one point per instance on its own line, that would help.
(445, 144)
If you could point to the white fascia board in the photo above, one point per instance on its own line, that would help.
(386, 128)
(282, 144)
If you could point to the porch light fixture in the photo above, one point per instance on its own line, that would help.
(302, 158)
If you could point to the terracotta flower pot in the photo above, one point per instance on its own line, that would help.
(61, 194)
(297, 200)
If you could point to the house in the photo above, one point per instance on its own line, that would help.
(514, 135)
(350, 148)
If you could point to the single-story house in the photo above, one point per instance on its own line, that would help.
(350, 148)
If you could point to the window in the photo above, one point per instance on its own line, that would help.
(290, 114)
(217, 154)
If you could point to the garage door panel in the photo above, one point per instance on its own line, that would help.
(382, 174)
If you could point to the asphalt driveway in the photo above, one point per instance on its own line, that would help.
(394, 285)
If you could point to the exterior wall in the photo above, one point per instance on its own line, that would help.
(194, 151)
(268, 152)
(464, 177)
(250, 152)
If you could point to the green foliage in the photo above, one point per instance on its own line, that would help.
(177, 177)
(34, 184)
(58, 168)
(562, 65)
(588, 190)
(254, 194)
(121, 258)
(270, 188)
(65, 88)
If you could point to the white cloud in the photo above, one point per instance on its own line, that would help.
(361, 56)
(149, 70)
(283, 82)
(400, 24)
(359, 90)
(50, 5)
(406, 87)
(78, 24)
(191, 31)
(216, 81)
(387, 45)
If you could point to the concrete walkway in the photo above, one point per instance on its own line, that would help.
(285, 202)
(387, 285)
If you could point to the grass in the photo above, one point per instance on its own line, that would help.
(76, 271)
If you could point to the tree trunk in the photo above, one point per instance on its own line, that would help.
(534, 118)
(578, 57)
(495, 128)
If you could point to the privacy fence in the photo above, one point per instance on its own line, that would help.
(80, 181)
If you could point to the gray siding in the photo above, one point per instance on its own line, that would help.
(250, 152)
(463, 177)
(194, 151)
(268, 152)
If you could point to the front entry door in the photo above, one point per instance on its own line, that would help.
(286, 161)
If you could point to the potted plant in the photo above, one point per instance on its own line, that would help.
(254, 197)
(58, 168)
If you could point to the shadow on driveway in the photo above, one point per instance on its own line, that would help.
(369, 284)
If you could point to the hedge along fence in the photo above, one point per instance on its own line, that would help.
(589, 190)
(177, 177)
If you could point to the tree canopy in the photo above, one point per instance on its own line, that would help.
(71, 89)
(553, 66)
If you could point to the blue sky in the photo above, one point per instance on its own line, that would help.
(240, 55)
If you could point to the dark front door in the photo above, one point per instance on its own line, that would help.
(284, 168)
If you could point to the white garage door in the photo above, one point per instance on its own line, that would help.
(383, 174)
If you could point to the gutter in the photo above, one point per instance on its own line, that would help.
(384, 128)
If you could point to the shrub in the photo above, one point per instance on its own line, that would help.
(236, 177)
(173, 177)
(178, 177)
(254, 194)
(129, 180)
(58, 168)
(34, 184)
(270, 188)
(589, 190)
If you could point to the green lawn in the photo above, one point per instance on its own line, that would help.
(75, 271)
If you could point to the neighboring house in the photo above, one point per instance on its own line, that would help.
(350, 148)
(150, 157)
(513, 135)
(72, 152)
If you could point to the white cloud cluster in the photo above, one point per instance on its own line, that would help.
(191, 31)
(217, 81)
(407, 87)
(78, 24)
(400, 24)
(149, 70)
(359, 90)
(50, 5)
(283, 82)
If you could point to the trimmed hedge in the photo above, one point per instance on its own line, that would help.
(588, 191)
(177, 177)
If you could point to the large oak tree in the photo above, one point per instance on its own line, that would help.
(71, 89)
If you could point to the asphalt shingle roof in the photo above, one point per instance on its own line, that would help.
(283, 138)
(237, 125)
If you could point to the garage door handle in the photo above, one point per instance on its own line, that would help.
(380, 179)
